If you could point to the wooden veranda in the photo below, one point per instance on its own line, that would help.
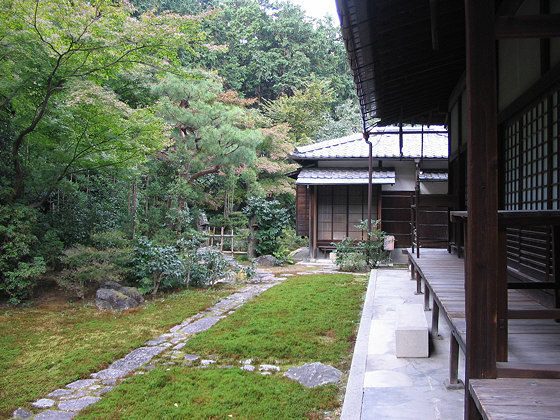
(490, 71)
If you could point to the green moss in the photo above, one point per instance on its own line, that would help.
(185, 393)
(42, 349)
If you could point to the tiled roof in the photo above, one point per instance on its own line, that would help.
(385, 145)
(434, 176)
(343, 176)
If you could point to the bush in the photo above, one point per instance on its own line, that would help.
(87, 268)
(157, 266)
(211, 265)
(19, 264)
(272, 218)
(354, 255)
(110, 239)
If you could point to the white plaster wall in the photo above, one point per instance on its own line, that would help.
(405, 174)
(433, 188)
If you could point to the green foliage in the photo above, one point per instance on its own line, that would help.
(85, 269)
(271, 48)
(19, 268)
(272, 218)
(211, 265)
(60, 115)
(302, 111)
(157, 266)
(354, 255)
(110, 239)
(50, 248)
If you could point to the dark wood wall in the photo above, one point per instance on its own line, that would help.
(302, 210)
(395, 216)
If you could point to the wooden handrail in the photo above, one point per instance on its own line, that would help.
(510, 218)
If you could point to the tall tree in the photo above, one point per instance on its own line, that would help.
(51, 49)
(213, 133)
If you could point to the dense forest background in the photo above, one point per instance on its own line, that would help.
(121, 122)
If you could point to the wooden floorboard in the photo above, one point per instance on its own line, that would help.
(513, 399)
(529, 341)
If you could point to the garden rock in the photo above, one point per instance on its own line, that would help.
(43, 403)
(20, 413)
(300, 254)
(55, 415)
(266, 261)
(77, 405)
(117, 299)
(314, 374)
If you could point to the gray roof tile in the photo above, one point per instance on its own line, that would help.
(385, 145)
(344, 176)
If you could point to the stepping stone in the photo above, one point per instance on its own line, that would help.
(105, 390)
(20, 413)
(77, 405)
(55, 415)
(201, 325)
(248, 368)
(191, 357)
(43, 403)
(268, 368)
(81, 383)
(314, 374)
(206, 362)
(130, 362)
(60, 392)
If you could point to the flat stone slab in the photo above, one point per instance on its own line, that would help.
(60, 392)
(77, 405)
(43, 403)
(200, 325)
(55, 415)
(248, 368)
(20, 413)
(130, 362)
(81, 383)
(314, 374)
(191, 357)
(269, 368)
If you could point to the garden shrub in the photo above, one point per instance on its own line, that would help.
(20, 266)
(110, 239)
(86, 269)
(157, 266)
(272, 218)
(359, 255)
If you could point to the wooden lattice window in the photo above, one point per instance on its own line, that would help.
(339, 209)
(531, 182)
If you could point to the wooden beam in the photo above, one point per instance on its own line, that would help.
(530, 26)
(509, 7)
(481, 265)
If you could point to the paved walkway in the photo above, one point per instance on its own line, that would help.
(382, 386)
(66, 403)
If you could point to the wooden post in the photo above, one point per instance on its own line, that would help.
(222, 238)
(232, 250)
(481, 261)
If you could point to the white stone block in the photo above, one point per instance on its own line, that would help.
(411, 334)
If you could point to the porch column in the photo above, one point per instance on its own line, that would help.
(481, 265)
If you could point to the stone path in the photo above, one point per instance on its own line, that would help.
(65, 403)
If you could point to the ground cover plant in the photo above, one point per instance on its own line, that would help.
(45, 347)
(305, 319)
(214, 393)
